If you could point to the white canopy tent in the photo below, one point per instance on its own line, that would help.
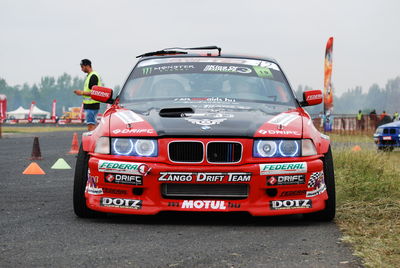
(22, 113)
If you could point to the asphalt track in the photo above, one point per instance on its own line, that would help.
(38, 227)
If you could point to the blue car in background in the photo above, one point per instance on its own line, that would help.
(387, 136)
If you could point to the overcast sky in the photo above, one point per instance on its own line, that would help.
(47, 38)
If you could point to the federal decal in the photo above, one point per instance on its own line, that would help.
(283, 168)
(119, 167)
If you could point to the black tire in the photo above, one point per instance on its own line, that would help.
(80, 179)
(328, 214)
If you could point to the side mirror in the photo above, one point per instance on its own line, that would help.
(312, 97)
(102, 94)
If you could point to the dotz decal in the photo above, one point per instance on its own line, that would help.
(129, 117)
(283, 119)
(119, 167)
(279, 132)
(290, 204)
(133, 131)
(293, 193)
(227, 69)
(263, 72)
(285, 180)
(124, 179)
(283, 168)
(120, 203)
(204, 177)
(206, 122)
(204, 204)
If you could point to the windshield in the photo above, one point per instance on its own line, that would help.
(191, 78)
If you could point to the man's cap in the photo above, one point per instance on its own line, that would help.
(86, 62)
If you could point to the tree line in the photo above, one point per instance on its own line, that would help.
(61, 88)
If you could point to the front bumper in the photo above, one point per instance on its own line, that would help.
(141, 188)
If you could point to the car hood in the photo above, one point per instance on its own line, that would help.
(204, 122)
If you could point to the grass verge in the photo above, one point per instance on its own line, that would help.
(368, 194)
(40, 129)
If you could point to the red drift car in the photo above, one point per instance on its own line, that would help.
(212, 132)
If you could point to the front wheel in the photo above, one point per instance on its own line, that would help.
(80, 180)
(328, 213)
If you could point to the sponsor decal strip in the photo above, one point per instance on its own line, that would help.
(283, 119)
(204, 177)
(123, 179)
(286, 180)
(204, 204)
(129, 117)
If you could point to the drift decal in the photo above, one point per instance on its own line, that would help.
(283, 168)
(128, 117)
(290, 204)
(205, 121)
(119, 167)
(123, 179)
(132, 131)
(286, 180)
(279, 132)
(283, 119)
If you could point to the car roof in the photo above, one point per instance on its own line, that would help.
(392, 124)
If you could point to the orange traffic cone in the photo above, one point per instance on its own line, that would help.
(356, 148)
(33, 169)
(36, 154)
(74, 145)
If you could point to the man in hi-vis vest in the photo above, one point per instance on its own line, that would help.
(90, 106)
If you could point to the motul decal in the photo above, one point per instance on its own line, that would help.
(129, 117)
(283, 119)
(204, 204)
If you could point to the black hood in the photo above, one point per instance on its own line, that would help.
(210, 119)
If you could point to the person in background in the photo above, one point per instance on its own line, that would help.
(360, 119)
(395, 116)
(373, 119)
(90, 106)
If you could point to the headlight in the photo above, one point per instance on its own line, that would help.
(283, 148)
(134, 147)
(102, 145)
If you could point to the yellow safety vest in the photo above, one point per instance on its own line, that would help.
(88, 99)
(359, 116)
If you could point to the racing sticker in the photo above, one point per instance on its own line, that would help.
(128, 117)
(283, 168)
(286, 180)
(114, 191)
(318, 182)
(204, 177)
(120, 203)
(279, 132)
(174, 68)
(263, 72)
(290, 204)
(91, 185)
(121, 167)
(227, 69)
(132, 131)
(283, 119)
(204, 204)
(123, 179)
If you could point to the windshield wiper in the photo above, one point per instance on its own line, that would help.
(176, 112)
